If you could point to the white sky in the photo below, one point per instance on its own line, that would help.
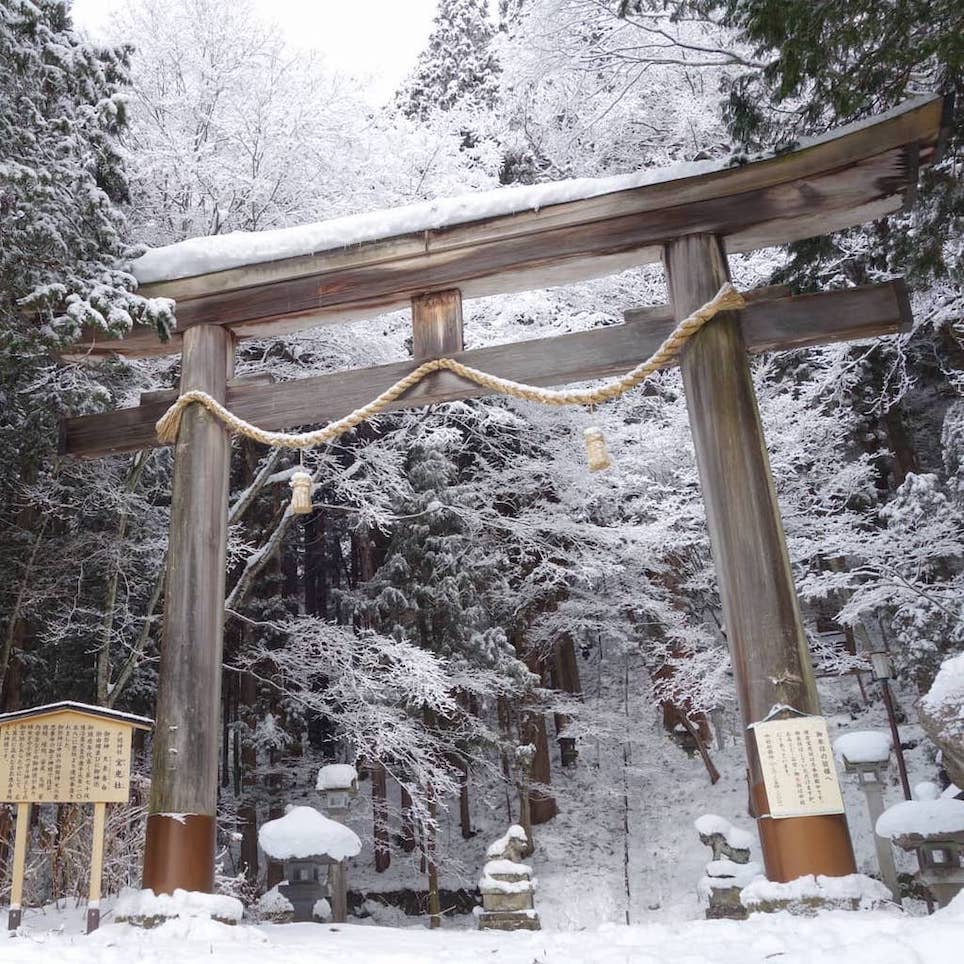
(376, 38)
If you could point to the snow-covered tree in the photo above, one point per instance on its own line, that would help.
(458, 67)
(62, 108)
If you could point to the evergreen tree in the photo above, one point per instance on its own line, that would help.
(438, 587)
(61, 250)
(832, 63)
(457, 68)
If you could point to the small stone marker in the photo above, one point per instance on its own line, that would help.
(65, 753)
(507, 886)
(729, 871)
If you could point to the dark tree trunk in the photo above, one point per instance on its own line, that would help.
(383, 854)
(248, 810)
(541, 803)
(465, 814)
(564, 670)
(905, 459)
(407, 836)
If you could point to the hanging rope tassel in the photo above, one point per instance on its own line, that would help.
(597, 454)
(300, 483)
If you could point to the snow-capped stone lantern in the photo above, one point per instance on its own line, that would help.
(313, 849)
(935, 830)
(338, 785)
(866, 755)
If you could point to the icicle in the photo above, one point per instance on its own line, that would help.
(596, 451)
(300, 483)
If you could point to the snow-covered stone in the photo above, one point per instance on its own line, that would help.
(304, 832)
(710, 823)
(736, 874)
(863, 746)
(499, 866)
(941, 713)
(922, 818)
(322, 910)
(808, 894)
(337, 776)
(144, 908)
(272, 905)
(926, 790)
(512, 843)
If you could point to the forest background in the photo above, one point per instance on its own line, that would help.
(436, 616)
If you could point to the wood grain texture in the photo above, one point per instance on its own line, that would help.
(19, 855)
(761, 614)
(97, 853)
(437, 324)
(187, 729)
(436, 333)
(850, 176)
(781, 322)
(760, 608)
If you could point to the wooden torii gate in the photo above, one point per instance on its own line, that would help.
(853, 175)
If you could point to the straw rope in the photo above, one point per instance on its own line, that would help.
(725, 299)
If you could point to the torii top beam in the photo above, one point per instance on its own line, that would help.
(516, 239)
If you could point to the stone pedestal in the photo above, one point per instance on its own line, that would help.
(507, 888)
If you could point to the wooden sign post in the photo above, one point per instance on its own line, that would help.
(64, 753)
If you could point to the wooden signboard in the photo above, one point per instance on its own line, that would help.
(798, 768)
(64, 753)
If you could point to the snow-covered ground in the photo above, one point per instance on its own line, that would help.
(855, 938)
(603, 894)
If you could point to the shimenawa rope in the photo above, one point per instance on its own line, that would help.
(725, 299)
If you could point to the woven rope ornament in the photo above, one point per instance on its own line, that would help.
(726, 299)
(300, 483)
(596, 452)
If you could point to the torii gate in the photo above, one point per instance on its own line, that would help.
(853, 175)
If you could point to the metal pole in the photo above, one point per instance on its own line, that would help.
(895, 736)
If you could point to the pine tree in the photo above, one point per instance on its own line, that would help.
(457, 68)
(61, 270)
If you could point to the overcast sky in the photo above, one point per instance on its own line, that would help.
(380, 38)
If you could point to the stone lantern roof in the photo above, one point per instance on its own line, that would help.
(303, 833)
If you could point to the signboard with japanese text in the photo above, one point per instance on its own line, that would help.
(798, 767)
(64, 755)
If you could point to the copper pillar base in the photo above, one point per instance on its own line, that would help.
(93, 919)
(796, 846)
(179, 853)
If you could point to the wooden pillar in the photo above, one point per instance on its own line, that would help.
(15, 914)
(437, 324)
(96, 867)
(179, 850)
(768, 648)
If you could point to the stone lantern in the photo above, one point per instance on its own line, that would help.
(935, 830)
(338, 785)
(866, 755)
(313, 849)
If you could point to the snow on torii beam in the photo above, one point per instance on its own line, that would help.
(518, 239)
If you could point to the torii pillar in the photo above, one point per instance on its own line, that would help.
(768, 646)
(181, 822)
